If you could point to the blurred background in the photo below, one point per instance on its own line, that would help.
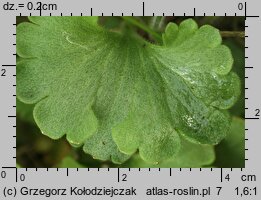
(37, 150)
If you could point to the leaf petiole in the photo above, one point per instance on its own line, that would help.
(156, 36)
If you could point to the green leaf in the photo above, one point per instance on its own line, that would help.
(116, 93)
(69, 162)
(24, 111)
(190, 155)
(110, 22)
(231, 151)
(238, 53)
(18, 166)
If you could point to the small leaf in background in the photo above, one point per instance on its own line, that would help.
(18, 166)
(116, 93)
(190, 155)
(231, 151)
(69, 162)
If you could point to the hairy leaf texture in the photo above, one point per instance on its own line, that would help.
(116, 93)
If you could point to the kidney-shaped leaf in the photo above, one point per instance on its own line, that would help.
(116, 93)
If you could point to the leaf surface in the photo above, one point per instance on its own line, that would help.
(190, 155)
(69, 162)
(116, 93)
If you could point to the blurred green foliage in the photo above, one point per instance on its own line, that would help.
(231, 151)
